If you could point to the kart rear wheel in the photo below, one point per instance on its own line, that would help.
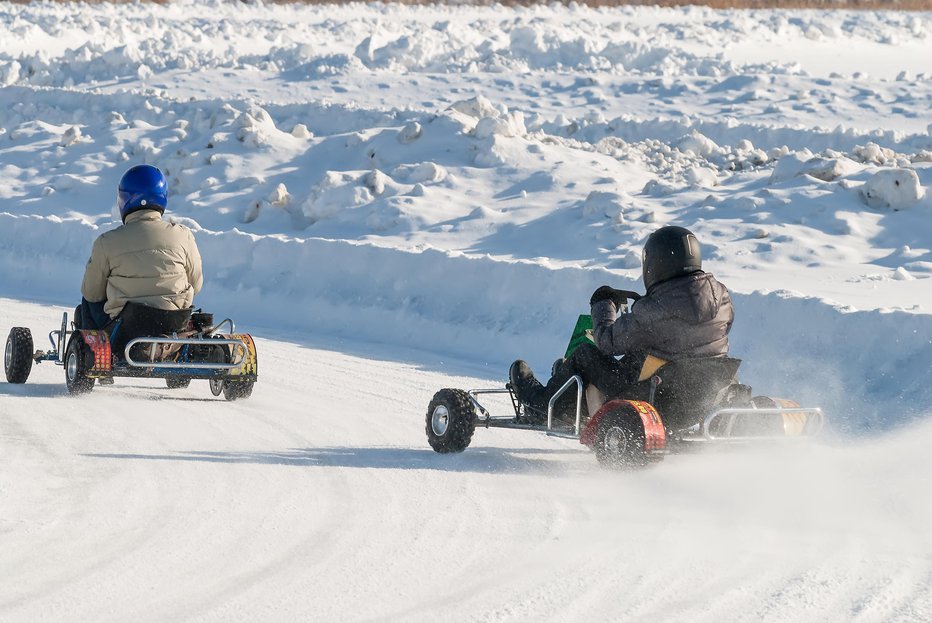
(75, 366)
(216, 386)
(237, 390)
(451, 421)
(177, 383)
(17, 356)
(619, 440)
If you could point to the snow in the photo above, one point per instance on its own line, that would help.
(320, 498)
(398, 199)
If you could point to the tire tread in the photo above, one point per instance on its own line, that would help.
(20, 341)
(462, 423)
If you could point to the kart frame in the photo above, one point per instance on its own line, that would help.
(58, 338)
(701, 432)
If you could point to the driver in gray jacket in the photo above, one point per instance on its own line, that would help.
(686, 313)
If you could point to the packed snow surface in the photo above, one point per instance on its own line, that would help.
(399, 199)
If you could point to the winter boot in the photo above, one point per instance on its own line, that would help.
(529, 391)
(557, 364)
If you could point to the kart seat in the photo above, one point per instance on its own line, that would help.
(689, 388)
(138, 320)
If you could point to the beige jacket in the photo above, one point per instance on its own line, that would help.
(146, 260)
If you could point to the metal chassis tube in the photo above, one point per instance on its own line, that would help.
(55, 355)
(707, 422)
(579, 393)
(241, 350)
(491, 421)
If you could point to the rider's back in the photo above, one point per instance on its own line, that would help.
(146, 260)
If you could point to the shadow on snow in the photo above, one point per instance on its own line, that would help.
(477, 460)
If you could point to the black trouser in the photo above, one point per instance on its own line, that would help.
(89, 315)
(613, 377)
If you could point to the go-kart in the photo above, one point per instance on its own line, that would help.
(683, 405)
(143, 342)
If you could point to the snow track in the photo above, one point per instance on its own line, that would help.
(319, 497)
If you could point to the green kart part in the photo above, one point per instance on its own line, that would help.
(582, 334)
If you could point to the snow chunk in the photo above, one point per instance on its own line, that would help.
(892, 188)
(9, 73)
(335, 193)
(803, 163)
(702, 177)
(901, 274)
(698, 145)
(658, 188)
(874, 154)
(375, 181)
(477, 107)
(483, 120)
(256, 128)
(511, 125)
(425, 172)
(410, 133)
(830, 169)
(599, 203)
(71, 136)
(279, 197)
(300, 131)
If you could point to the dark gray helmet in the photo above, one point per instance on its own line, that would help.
(670, 252)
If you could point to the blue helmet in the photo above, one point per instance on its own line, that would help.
(143, 187)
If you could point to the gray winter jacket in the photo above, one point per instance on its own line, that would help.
(681, 318)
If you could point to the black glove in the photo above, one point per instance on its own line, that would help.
(618, 297)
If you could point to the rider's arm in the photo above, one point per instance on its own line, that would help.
(193, 267)
(615, 333)
(94, 285)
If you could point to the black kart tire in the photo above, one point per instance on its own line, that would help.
(451, 421)
(237, 390)
(77, 354)
(177, 383)
(17, 356)
(619, 441)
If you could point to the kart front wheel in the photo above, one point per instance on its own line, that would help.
(451, 421)
(17, 356)
(76, 356)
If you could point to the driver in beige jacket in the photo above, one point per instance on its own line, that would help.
(146, 260)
